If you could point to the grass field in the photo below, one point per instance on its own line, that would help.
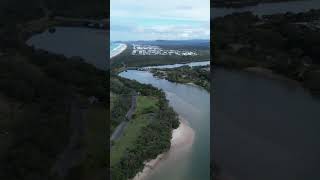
(146, 104)
(142, 117)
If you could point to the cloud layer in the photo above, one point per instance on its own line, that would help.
(164, 19)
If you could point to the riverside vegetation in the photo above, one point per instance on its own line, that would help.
(286, 44)
(197, 75)
(147, 134)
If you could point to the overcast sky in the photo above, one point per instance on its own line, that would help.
(159, 19)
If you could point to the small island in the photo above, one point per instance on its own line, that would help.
(199, 75)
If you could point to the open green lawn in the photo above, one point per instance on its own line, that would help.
(146, 104)
(141, 118)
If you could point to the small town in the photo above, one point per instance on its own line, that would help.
(147, 50)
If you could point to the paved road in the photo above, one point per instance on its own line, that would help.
(132, 108)
(119, 130)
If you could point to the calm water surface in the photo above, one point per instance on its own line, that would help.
(90, 44)
(264, 129)
(192, 64)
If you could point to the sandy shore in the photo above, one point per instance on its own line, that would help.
(181, 142)
(119, 50)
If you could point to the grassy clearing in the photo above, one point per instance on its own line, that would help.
(146, 104)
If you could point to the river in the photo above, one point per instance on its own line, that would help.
(265, 128)
(192, 64)
(192, 103)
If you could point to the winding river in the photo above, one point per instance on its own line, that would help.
(192, 103)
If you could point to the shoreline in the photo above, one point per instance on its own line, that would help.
(181, 141)
(122, 47)
(263, 72)
(268, 73)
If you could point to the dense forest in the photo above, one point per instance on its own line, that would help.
(287, 44)
(39, 89)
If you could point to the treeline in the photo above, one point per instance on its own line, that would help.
(287, 43)
(153, 140)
